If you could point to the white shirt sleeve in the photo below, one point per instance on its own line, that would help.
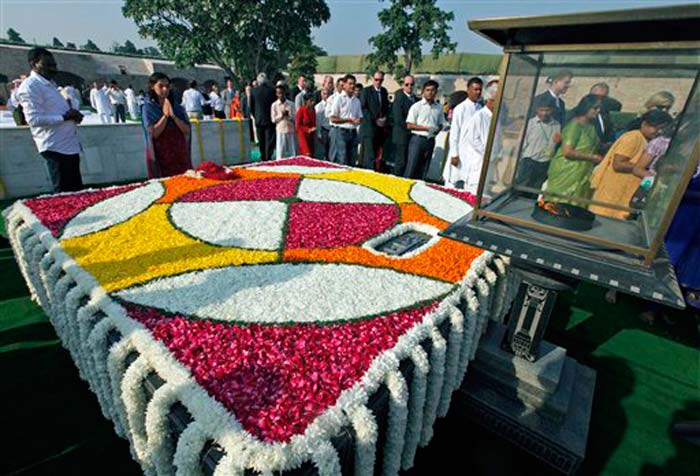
(275, 114)
(455, 129)
(412, 116)
(479, 132)
(31, 104)
(335, 108)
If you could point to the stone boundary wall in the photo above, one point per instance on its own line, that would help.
(113, 153)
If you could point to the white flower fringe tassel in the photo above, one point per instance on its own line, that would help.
(114, 354)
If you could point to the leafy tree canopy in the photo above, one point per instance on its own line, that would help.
(90, 46)
(408, 25)
(240, 36)
(12, 35)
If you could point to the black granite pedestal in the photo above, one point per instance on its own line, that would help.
(543, 407)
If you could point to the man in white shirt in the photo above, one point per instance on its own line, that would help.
(192, 101)
(283, 113)
(454, 174)
(346, 114)
(132, 103)
(117, 99)
(424, 120)
(332, 133)
(52, 122)
(323, 126)
(217, 104)
(100, 103)
(476, 139)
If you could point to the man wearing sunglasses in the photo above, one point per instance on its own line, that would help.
(403, 100)
(375, 109)
(425, 119)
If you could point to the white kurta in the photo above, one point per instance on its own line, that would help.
(100, 102)
(475, 145)
(461, 115)
(75, 98)
(131, 103)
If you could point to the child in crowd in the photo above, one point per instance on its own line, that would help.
(543, 133)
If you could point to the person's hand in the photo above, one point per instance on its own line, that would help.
(381, 122)
(313, 129)
(356, 121)
(556, 138)
(167, 108)
(597, 158)
(454, 161)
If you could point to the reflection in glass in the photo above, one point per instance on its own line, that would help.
(595, 142)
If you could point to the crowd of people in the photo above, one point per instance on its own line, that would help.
(569, 155)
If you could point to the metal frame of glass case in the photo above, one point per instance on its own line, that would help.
(618, 31)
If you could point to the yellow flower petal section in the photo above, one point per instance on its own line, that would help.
(148, 246)
(396, 188)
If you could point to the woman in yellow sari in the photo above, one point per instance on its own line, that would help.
(614, 180)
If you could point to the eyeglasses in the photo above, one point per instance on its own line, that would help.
(408, 84)
(378, 80)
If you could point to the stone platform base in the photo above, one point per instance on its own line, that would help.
(543, 407)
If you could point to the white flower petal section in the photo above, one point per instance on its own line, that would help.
(244, 224)
(321, 190)
(298, 169)
(286, 292)
(440, 204)
(113, 210)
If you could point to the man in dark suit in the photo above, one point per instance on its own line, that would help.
(403, 100)
(301, 79)
(603, 124)
(375, 111)
(261, 99)
(559, 84)
(246, 111)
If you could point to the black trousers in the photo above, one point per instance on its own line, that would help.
(64, 171)
(420, 151)
(371, 149)
(219, 114)
(266, 141)
(400, 156)
(251, 130)
(120, 113)
(532, 174)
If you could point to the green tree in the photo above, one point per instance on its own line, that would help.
(71, 46)
(128, 48)
(408, 24)
(241, 37)
(152, 51)
(304, 62)
(90, 46)
(13, 36)
(57, 43)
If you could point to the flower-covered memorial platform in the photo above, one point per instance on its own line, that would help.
(248, 320)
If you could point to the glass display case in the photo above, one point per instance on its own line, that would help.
(594, 138)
